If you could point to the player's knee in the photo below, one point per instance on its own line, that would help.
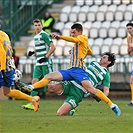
(5, 94)
(34, 81)
(60, 113)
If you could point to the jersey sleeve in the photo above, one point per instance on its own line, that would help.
(70, 39)
(47, 38)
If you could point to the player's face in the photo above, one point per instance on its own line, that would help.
(75, 33)
(104, 60)
(130, 30)
(38, 27)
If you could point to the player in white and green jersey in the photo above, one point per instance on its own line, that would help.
(44, 47)
(98, 75)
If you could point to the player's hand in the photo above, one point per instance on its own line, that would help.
(31, 53)
(42, 60)
(96, 98)
(55, 36)
(5, 78)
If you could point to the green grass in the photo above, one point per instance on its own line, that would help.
(91, 117)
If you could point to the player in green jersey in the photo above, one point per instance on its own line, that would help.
(44, 47)
(98, 75)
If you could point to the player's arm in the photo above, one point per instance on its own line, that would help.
(51, 50)
(106, 86)
(2, 57)
(129, 49)
(49, 41)
(70, 39)
(66, 38)
(106, 90)
(90, 52)
(47, 38)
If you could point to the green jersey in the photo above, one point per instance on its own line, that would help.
(98, 75)
(42, 46)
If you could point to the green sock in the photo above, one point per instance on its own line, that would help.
(71, 112)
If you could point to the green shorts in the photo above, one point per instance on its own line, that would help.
(73, 93)
(40, 71)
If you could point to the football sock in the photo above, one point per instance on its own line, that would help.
(43, 82)
(19, 95)
(131, 85)
(103, 97)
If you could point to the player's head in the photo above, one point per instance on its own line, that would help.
(111, 58)
(130, 28)
(76, 29)
(0, 24)
(37, 25)
(107, 59)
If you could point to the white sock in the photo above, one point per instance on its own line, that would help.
(112, 106)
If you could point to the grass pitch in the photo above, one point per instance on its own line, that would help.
(91, 117)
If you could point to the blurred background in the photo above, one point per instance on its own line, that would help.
(104, 23)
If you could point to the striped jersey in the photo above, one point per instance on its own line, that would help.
(130, 41)
(42, 45)
(5, 52)
(98, 75)
(79, 50)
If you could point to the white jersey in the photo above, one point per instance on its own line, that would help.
(42, 45)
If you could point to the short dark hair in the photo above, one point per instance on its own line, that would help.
(111, 57)
(77, 26)
(129, 24)
(37, 21)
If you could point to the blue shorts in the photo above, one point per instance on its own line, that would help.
(74, 73)
(132, 73)
(10, 80)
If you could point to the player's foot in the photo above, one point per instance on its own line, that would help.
(130, 104)
(71, 112)
(27, 88)
(28, 106)
(116, 110)
(35, 102)
(20, 85)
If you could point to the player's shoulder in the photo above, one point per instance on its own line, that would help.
(3, 34)
(129, 36)
(44, 32)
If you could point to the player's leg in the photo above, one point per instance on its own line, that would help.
(74, 96)
(54, 76)
(6, 88)
(131, 86)
(87, 85)
(64, 109)
(38, 74)
(19, 95)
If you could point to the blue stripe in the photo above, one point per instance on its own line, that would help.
(5, 42)
(76, 54)
(8, 53)
(73, 56)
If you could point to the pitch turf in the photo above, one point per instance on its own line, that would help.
(91, 117)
